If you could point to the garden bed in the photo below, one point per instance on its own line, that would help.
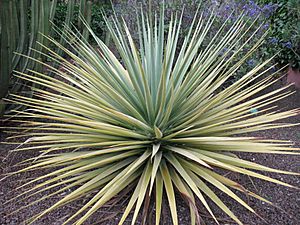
(288, 199)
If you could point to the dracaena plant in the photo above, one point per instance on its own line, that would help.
(151, 117)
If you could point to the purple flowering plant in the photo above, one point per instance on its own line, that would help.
(284, 32)
(256, 16)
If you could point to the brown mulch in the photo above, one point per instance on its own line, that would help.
(287, 199)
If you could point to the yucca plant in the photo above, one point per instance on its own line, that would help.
(156, 120)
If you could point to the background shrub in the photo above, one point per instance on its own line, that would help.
(285, 31)
(97, 22)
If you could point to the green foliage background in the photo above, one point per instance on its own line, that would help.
(285, 32)
(97, 22)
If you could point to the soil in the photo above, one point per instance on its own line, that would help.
(288, 199)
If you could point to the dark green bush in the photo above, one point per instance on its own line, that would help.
(285, 32)
(97, 22)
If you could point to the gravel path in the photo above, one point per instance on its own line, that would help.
(288, 199)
